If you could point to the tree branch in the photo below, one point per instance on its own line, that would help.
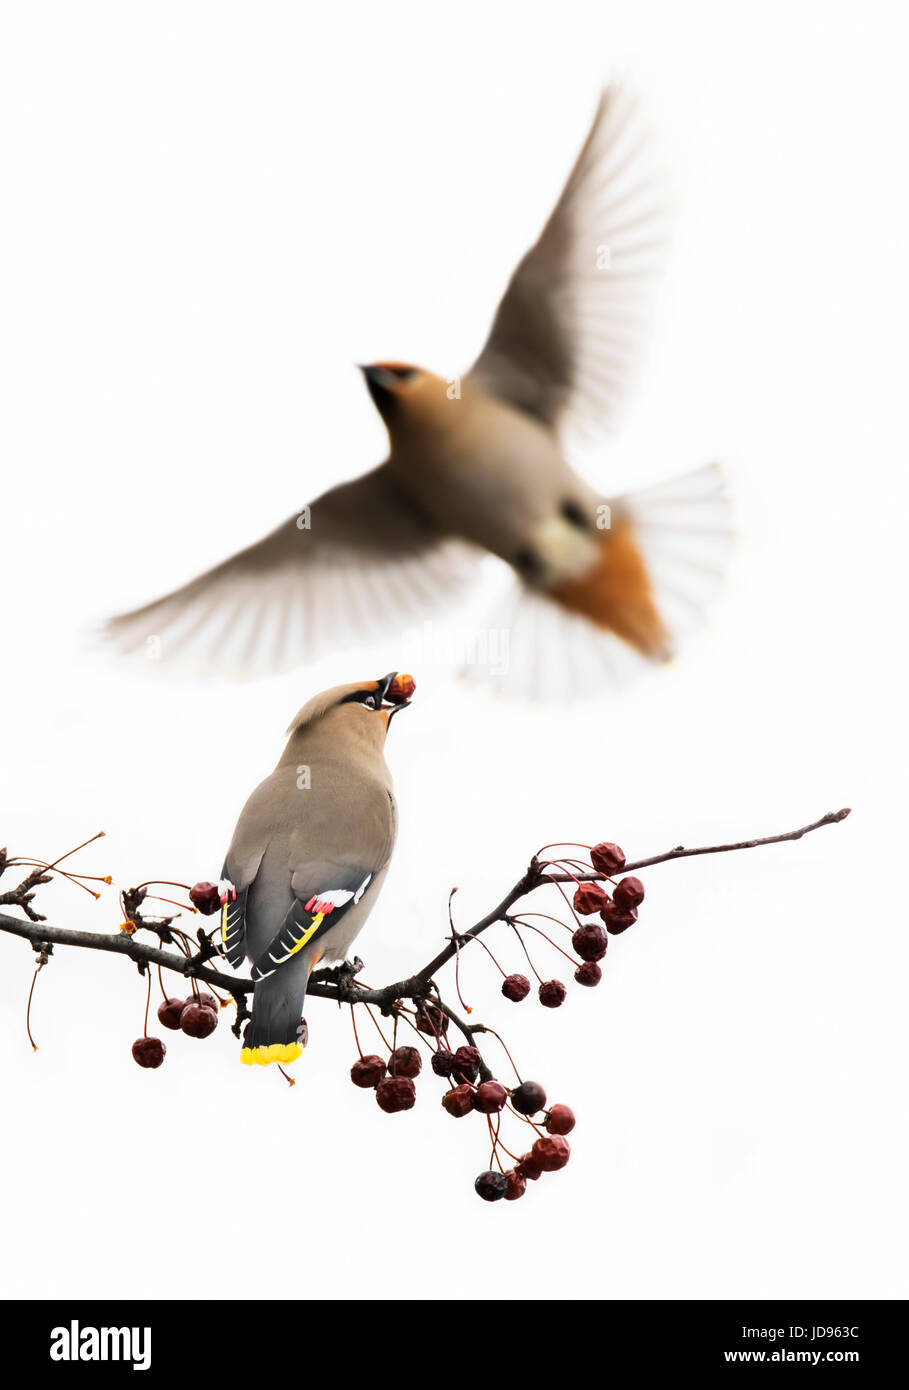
(341, 986)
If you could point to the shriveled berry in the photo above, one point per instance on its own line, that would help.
(491, 1186)
(551, 1152)
(589, 898)
(405, 1061)
(560, 1119)
(489, 1098)
(552, 993)
(396, 1093)
(607, 858)
(197, 1020)
(458, 1102)
(588, 974)
(401, 688)
(442, 1062)
(149, 1052)
(430, 1019)
(205, 897)
(207, 1001)
(516, 1185)
(529, 1167)
(621, 921)
(368, 1071)
(528, 1098)
(466, 1064)
(516, 988)
(628, 892)
(590, 941)
(169, 1011)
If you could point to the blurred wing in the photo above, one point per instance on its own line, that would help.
(361, 560)
(568, 332)
(683, 529)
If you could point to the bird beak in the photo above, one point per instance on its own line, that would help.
(393, 706)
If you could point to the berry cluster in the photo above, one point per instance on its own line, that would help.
(471, 1089)
(196, 1016)
(589, 940)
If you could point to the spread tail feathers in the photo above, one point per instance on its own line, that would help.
(275, 1031)
(659, 566)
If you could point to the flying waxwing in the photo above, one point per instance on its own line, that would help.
(477, 464)
(309, 855)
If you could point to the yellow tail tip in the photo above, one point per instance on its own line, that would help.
(273, 1052)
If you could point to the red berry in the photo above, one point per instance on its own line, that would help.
(442, 1062)
(367, 1071)
(489, 1098)
(401, 688)
(430, 1019)
(628, 892)
(516, 988)
(169, 1011)
(529, 1168)
(560, 1119)
(205, 897)
(149, 1052)
(589, 973)
(607, 858)
(405, 1061)
(466, 1064)
(458, 1102)
(197, 1020)
(552, 993)
(588, 898)
(528, 1098)
(551, 1153)
(516, 1185)
(491, 1186)
(396, 1093)
(207, 1001)
(590, 941)
(621, 921)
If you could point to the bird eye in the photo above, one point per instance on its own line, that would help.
(371, 701)
(574, 513)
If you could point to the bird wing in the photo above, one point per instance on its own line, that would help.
(323, 893)
(361, 559)
(569, 328)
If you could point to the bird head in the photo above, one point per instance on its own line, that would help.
(407, 397)
(362, 709)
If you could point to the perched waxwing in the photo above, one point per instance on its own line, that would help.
(309, 855)
(477, 464)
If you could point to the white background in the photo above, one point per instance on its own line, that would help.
(211, 212)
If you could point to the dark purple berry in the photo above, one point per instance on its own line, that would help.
(516, 988)
(396, 1093)
(368, 1071)
(590, 941)
(205, 897)
(552, 993)
(528, 1098)
(149, 1052)
(442, 1062)
(491, 1186)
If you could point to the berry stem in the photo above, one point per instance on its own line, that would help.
(28, 1010)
